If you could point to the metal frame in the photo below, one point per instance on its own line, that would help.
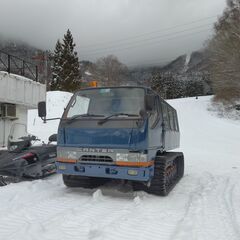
(16, 65)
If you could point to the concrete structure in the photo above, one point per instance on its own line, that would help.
(17, 95)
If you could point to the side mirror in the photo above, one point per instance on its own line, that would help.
(42, 112)
(52, 138)
(143, 113)
(149, 102)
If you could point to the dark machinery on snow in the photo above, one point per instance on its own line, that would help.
(22, 160)
(119, 133)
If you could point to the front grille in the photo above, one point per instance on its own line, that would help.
(95, 158)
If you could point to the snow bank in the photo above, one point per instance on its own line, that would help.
(208, 142)
(56, 102)
(225, 110)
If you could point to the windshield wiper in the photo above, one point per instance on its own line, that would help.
(102, 121)
(69, 120)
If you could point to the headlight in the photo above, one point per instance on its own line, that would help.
(122, 157)
(67, 154)
(131, 157)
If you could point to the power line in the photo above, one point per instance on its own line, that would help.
(150, 61)
(153, 64)
(149, 33)
(159, 60)
(154, 43)
(145, 40)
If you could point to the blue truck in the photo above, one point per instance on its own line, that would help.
(119, 133)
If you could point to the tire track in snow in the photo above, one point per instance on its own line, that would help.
(195, 209)
(74, 214)
(18, 196)
(57, 214)
(209, 212)
(228, 200)
(43, 202)
(79, 213)
(148, 217)
(37, 216)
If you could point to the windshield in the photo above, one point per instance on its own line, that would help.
(17, 131)
(16, 137)
(106, 101)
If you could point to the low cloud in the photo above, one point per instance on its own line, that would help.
(137, 31)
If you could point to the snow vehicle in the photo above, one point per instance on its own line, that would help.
(23, 160)
(119, 133)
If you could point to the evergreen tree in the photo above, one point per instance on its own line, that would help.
(175, 86)
(66, 68)
(167, 85)
(158, 84)
(70, 72)
(55, 84)
(194, 88)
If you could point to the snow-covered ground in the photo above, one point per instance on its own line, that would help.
(204, 205)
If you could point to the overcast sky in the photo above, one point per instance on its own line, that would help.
(136, 31)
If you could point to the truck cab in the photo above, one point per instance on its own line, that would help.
(119, 133)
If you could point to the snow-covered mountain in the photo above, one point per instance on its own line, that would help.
(185, 66)
(195, 62)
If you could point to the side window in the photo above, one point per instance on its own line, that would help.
(155, 116)
(165, 116)
(171, 118)
(176, 121)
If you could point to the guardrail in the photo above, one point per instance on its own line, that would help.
(16, 65)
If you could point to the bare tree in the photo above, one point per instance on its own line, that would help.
(225, 54)
(110, 69)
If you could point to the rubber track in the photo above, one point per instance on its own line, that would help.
(158, 186)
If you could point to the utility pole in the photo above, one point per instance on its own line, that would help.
(42, 60)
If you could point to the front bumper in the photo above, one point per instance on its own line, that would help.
(106, 171)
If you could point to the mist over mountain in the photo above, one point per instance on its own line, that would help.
(184, 67)
(19, 49)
